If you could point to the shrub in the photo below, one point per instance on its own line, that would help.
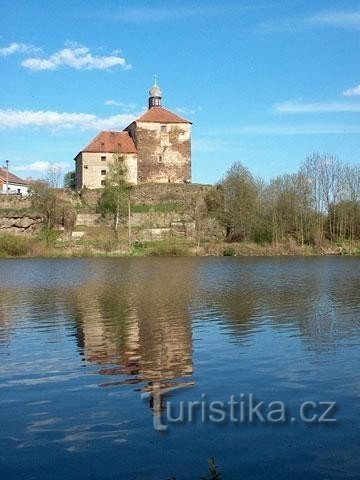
(14, 246)
(169, 250)
(229, 252)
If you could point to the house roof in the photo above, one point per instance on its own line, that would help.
(12, 178)
(111, 142)
(161, 115)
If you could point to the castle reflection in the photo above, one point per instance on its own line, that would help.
(138, 328)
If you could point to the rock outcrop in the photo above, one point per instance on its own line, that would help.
(27, 224)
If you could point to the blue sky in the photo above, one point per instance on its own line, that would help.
(264, 82)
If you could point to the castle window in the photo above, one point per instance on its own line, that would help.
(103, 159)
(86, 167)
(103, 172)
(102, 182)
(160, 158)
(163, 128)
(102, 145)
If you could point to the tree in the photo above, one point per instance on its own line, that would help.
(115, 198)
(235, 203)
(70, 180)
(44, 200)
(54, 208)
(53, 176)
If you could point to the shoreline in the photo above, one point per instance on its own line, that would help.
(181, 249)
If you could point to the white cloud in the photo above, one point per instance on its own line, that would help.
(352, 92)
(296, 24)
(18, 48)
(124, 105)
(114, 103)
(276, 129)
(158, 14)
(77, 57)
(186, 111)
(62, 120)
(337, 19)
(320, 107)
(40, 166)
(209, 145)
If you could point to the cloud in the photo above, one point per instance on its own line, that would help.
(187, 111)
(124, 105)
(337, 19)
(320, 107)
(211, 145)
(159, 14)
(62, 120)
(77, 57)
(296, 24)
(352, 92)
(41, 166)
(18, 48)
(276, 129)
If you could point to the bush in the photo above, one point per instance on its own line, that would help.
(14, 246)
(229, 252)
(169, 250)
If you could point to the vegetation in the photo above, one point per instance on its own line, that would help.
(70, 180)
(54, 208)
(115, 198)
(313, 211)
(14, 246)
(214, 473)
(318, 204)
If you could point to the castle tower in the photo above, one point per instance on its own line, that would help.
(155, 95)
(163, 143)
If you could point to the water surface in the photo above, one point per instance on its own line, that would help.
(87, 344)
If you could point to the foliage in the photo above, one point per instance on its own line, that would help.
(213, 469)
(319, 203)
(14, 245)
(235, 203)
(229, 252)
(115, 197)
(48, 235)
(70, 180)
(54, 208)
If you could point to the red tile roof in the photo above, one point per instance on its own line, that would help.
(12, 178)
(111, 142)
(161, 115)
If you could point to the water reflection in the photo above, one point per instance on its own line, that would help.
(284, 327)
(139, 331)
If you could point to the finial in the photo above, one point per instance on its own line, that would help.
(155, 79)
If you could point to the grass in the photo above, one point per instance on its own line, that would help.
(162, 248)
(17, 212)
(15, 245)
(102, 242)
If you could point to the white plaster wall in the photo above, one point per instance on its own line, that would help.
(91, 166)
(14, 188)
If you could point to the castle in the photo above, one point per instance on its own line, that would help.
(156, 148)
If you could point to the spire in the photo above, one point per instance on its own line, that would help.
(155, 94)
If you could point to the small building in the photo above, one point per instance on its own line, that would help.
(156, 148)
(15, 185)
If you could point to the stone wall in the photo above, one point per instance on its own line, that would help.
(155, 193)
(164, 152)
(24, 224)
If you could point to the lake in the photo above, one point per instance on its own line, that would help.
(94, 351)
